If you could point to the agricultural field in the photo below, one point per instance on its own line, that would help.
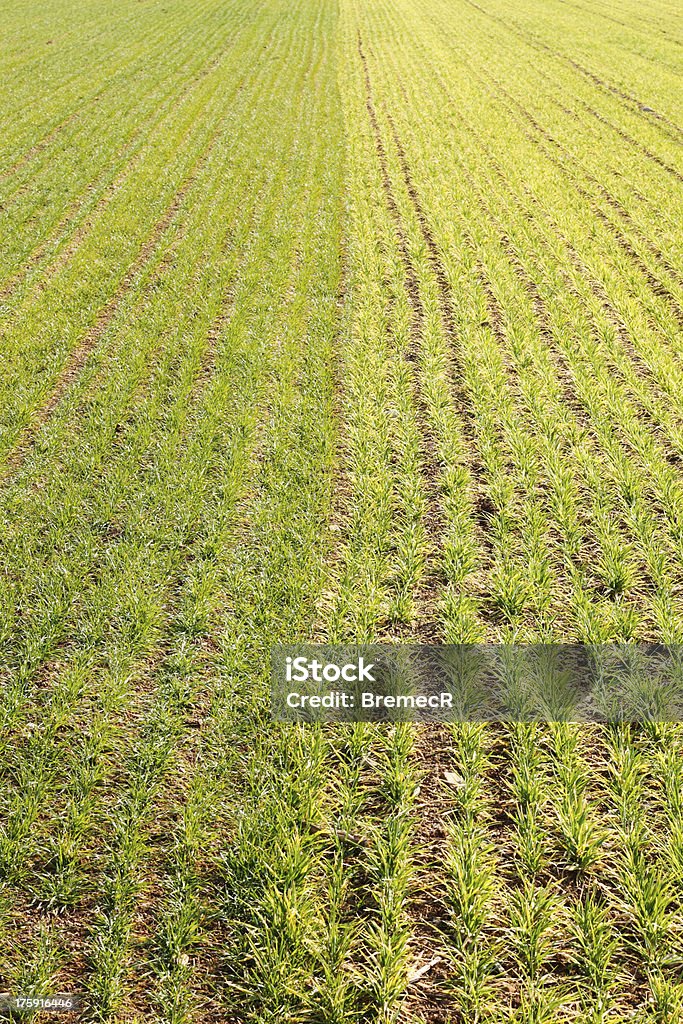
(332, 321)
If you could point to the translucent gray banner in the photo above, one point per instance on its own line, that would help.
(14, 1006)
(477, 682)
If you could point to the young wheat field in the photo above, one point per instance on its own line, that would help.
(331, 321)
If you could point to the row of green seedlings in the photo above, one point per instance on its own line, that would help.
(645, 873)
(504, 862)
(500, 913)
(272, 770)
(619, 884)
